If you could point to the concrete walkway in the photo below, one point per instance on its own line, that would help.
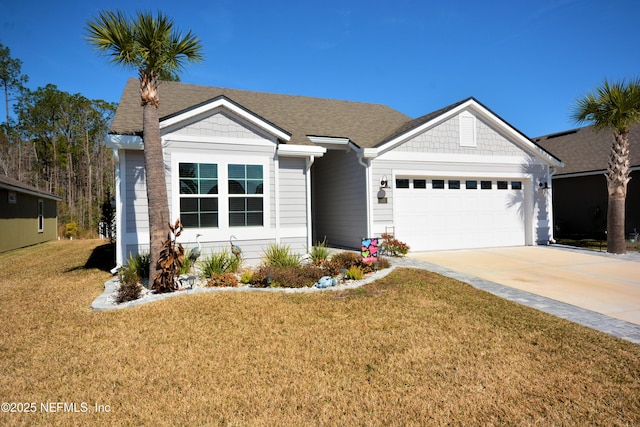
(594, 289)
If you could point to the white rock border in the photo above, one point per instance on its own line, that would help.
(106, 300)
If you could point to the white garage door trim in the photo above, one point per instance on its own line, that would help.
(440, 212)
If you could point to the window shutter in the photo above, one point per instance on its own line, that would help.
(467, 130)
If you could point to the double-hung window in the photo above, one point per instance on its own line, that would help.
(246, 200)
(198, 194)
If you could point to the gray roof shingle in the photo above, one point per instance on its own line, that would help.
(585, 150)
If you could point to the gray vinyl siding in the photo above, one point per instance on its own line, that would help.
(445, 138)
(339, 202)
(293, 198)
(135, 193)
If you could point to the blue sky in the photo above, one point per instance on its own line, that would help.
(528, 61)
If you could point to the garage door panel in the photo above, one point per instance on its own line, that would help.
(436, 219)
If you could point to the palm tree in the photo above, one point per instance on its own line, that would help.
(616, 106)
(152, 46)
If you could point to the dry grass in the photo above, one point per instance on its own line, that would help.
(411, 349)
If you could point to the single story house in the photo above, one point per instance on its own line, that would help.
(268, 168)
(580, 197)
(28, 216)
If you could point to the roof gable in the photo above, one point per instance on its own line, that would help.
(422, 124)
(298, 116)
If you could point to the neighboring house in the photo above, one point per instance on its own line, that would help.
(27, 215)
(269, 168)
(580, 197)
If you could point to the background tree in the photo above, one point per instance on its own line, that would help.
(615, 106)
(151, 45)
(12, 81)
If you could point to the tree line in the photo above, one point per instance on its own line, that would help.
(54, 141)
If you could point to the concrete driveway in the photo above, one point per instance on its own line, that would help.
(600, 282)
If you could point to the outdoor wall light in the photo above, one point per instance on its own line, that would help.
(543, 185)
(383, 182)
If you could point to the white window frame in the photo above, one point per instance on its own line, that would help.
(40, 216)
(223, 161)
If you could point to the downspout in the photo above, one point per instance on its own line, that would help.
(119, 225)
(550, 172)
(367, 172)
(276, 167)
(307, 173)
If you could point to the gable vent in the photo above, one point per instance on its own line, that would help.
(467, 130)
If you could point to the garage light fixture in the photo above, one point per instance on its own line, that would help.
(384, 183)
(543, 185)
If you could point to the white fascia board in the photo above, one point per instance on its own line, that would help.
(289, 150)
(128, 142)
(330, 142)
(224, 103)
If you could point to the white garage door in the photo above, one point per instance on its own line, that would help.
(452, 213)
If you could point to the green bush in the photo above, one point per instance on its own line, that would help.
(70, 229)
(354, 273)
(139, 264)
(281, 256)
(319, 253)
(247, 277)
(219, 263)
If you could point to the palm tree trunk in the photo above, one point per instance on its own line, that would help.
(156, 186)
(617, 175)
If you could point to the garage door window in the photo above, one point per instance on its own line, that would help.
(485, 185)
(454, 184)
(471, 185)
(402, 183)
(516, 185)
(437, 184)
(503, 185)
(419, 183)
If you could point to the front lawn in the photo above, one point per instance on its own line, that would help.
(413, 348)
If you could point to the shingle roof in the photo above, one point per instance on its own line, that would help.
(364, 124)
(15, 185)
(585, 150)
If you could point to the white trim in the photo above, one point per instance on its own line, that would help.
(408, 156)
(120, 224)
(307, 185)
(128, 142)
(455, 173)
(223, 140)
(291, 150)
(225, 103)
(276, 191)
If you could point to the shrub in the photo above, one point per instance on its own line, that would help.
(281, 256)
(393, 246)
(130, 287)
(223, 280)
(139, 264)
(70, 229)
(219, 263)
(354, 273)
(287, 276)
(247, 277)
(319, 253)
(344, 260)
